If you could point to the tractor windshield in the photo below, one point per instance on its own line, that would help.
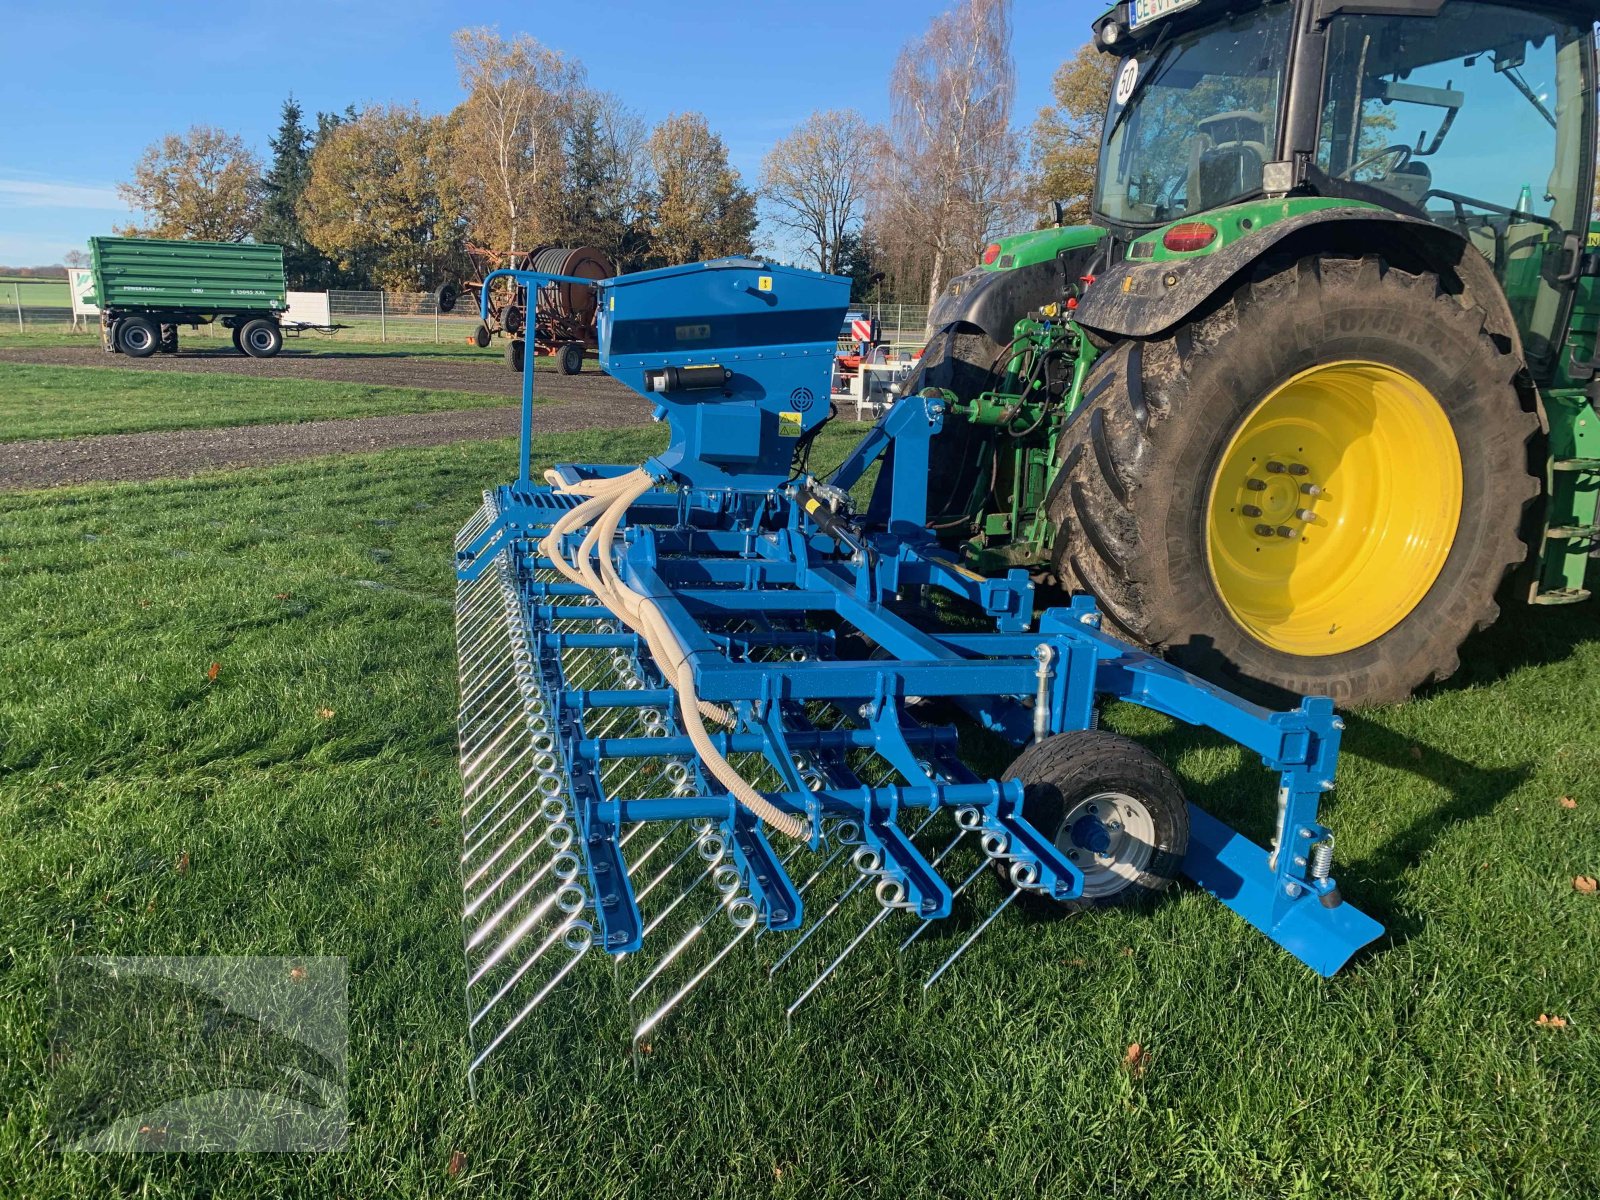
(1474, 118)
(1193, 120)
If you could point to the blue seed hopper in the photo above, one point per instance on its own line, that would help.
(715, 699)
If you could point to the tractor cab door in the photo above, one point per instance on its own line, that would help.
(1476, 118)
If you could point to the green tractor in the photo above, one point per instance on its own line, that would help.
(1322, 373)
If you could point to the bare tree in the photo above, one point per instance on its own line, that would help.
(947, 168)
(75, 258)
(199, 184)
(815, 180)
(511, 127)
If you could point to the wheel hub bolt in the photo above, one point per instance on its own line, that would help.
(1305, 514)
(1266, 531)
(1299, 469)
(1256, 485)
(1310, 489)
(1284, 531)
(1275, 467)
(1250, 510)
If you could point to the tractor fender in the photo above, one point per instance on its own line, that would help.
(1142, 299)
(993, 301)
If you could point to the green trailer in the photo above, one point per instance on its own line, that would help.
(147, 287)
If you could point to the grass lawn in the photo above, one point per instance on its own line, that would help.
(58, 402)
(309, 793)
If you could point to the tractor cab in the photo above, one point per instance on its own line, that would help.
(1477, 117)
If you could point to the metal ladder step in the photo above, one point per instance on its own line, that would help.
(1560, 533)
(1586, 465)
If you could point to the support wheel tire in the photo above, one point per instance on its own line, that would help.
(481, 336)
(1112, 807)
(570, 359)
(138, 337)
(260, 338)
(515, 354)
(1315, 486)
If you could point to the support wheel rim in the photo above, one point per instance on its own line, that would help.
(1110, 837)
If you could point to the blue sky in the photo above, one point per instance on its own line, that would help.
(87, 85)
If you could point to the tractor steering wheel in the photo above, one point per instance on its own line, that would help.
(1400, 152)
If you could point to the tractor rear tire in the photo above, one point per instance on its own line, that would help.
(1087, 784)
(1315, 486)
(959, 358)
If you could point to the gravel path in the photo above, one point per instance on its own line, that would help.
(485, 374)
(587, 401)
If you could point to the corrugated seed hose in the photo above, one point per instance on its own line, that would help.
(607, 501)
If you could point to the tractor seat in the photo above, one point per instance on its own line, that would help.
(1226, 157)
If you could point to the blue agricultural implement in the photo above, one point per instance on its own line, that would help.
(715, 699)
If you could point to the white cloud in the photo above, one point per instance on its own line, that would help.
(31, 193)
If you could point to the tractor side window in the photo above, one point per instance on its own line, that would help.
(1192, 123)
(1473, 118)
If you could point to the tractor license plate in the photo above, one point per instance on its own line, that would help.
(1142, 12)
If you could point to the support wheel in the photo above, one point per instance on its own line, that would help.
(1112, 807)
(137, 337)
(570, 359)
(445, 298)
(514, 354)
(261, 338)
(1314, 487)
(481, 336)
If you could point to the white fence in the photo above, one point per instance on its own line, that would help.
(381, 316)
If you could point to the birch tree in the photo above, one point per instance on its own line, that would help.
(947, 177)
(507, 154)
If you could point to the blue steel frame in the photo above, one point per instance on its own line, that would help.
(716, 557)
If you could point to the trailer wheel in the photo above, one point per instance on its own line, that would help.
(234, 331)
(169, 339)
(570, 359)
(514, 354)
(1314, 487)
(481, 337)
(511, 319)
(137, 337)
(261, 338)
(1110, 805)
(445, 298)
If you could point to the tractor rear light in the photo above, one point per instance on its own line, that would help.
(990, 253)
(1191, 235)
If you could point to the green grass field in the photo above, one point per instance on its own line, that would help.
(54, 402)
(34, 293)
(305, 801)
(210, 337)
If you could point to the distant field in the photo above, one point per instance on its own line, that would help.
(34, 293)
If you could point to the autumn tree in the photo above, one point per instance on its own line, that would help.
(1066, 134)
(946, 175)
(604, 199)
(200, 184)
(815, 182)
(380, 199)
(511, 128)
(702, 209)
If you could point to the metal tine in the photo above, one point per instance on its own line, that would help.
(511, 940)
(973, 936)
(683, 942)
(478, 901)
(801, 888)
(538, 997)
(977, 871)
(695, 980)
(856, 885)
(878, 918)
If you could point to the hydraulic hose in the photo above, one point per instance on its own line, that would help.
(602, 512)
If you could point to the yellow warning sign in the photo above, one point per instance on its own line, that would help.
(788, 424)
(764, 283)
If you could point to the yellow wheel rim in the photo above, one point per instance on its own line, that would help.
(1333, 508)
